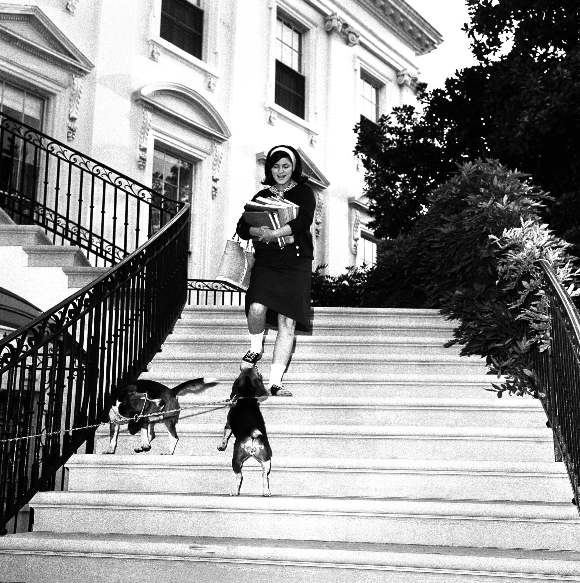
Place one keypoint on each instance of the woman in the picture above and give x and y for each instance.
(279, 290)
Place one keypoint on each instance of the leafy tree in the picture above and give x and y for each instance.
(520, 105)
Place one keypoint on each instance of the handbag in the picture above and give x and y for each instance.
(236, 264)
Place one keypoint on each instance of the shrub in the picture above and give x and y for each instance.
(343, 290)
(481, 234)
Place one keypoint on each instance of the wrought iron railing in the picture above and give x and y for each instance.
(76, 199)
(209, 292)
(58, 373)
(557, 373)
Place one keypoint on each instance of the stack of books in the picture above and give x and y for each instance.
(271, 212)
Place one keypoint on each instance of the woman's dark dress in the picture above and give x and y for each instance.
(281, 278)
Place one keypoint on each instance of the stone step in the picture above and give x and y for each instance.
(324, 477)
(332, 384)
(236, 344)
(46, 558)
(215, 364)
(55, 256)
(237, 326)
(79, 275)
(380, 411)
(508, 525)
(12, 235)
(335, 316)
(368, 442)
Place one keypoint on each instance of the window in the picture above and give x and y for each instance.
(19, 161)
(370, 98)
(290, 82)
(173, 180)
(367, 251)
(182, 25)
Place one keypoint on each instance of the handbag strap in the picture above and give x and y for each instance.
(238, 240)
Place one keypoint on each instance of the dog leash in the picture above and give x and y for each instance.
(223, 403)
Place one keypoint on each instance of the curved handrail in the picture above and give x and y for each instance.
(58, 373)
(557, 373)
(75, 198)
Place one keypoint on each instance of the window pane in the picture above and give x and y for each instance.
(289, 41)
(290, 89)
(182, 25)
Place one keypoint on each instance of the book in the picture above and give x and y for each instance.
(263, 219)
(282, 212)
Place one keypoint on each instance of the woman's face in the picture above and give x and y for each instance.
(282, 171)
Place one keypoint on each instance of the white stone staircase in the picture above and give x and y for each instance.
(391, 463)
(38, 271)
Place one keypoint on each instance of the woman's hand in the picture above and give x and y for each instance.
(267, 235)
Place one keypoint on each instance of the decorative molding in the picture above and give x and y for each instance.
(334, 23)
(71, 6)
(211, 81)
(272, 115)
(154, 52)
(74, 105)
(144, 138)
(405, 79)
(356, 228)
(218, 154)
(406, 23)
(31, 31)
(318, 215)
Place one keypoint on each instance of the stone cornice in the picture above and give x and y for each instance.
(406, 23)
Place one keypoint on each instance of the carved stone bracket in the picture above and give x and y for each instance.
(334, 23)
(211, 81)
(71, 6)
(73, 109)
(154, 52)
(318, 215)
(218, 154)
(272, 116)
(404, 78)
(356, 227)
(144, 138)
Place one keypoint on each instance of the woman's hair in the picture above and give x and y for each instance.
(276, 154)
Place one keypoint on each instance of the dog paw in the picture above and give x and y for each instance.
(234, 493)
(267, 494)
(108, 452)
(222, 446)
(142, 449)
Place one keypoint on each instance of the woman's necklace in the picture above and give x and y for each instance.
(279, 192)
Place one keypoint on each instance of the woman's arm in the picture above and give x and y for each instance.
(307, 206)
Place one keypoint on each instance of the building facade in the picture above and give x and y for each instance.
(187, 96)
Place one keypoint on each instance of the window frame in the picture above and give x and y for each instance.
(309, 28)
(167, 149)
(195, 5)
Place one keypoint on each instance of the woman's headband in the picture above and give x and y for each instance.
(286, 151)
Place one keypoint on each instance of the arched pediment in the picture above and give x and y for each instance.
(185, 106)
(27, 29)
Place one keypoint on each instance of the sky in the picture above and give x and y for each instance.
(447, 17)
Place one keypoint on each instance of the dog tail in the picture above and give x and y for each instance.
(193, 386)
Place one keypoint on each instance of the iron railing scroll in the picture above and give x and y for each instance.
(57, 374)
(557, 373)
(209, 292)
(74, 198)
